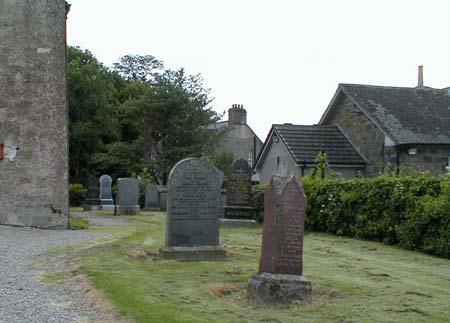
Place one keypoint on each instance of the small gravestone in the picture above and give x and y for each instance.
(92, 202)
(106, 199)
(280, 277)
(238, 211)
(193, 210)
(127, 196)
(151, 198)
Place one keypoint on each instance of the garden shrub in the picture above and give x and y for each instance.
(77, 193)
(412, 212)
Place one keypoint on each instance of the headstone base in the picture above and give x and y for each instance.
(127, 209)
(279, 288)
(92, 208)
(91, 204)
(111, 208)
(237, 223)
(193, 253)
(107, 202)
(239, 212)
(151, 209)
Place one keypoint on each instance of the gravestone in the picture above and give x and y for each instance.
(193, 211)
(280, 269)
(127, 196)
(151, 197)
(106, 199)
(92, 202)
(238, 211)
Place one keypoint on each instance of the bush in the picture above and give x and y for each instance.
(77, 193)
(412, 212)
(257, 201)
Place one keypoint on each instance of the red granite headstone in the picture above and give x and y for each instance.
(284, 214)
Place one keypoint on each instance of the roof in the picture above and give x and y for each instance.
(222, 125)
(304, 143)
(217, 125)
(418, 115)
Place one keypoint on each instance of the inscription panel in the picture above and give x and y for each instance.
(239, 184)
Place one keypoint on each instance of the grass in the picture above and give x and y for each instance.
(78, 223)
(353, 281)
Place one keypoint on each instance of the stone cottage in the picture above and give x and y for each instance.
(33, 114)
(395, 127)
(238, 138)
(292, 149)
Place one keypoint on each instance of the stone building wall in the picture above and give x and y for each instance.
(33, 114)
(378, 150)
(366, 137)
(240, 141)
(428, 158)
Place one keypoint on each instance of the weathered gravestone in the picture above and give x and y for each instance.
(193, 210)
(106, 199)
(238, 211)
(92, 202)
(151, 197)
(280, 270)
(127, 196)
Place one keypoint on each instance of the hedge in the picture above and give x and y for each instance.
(77, 193)
(411, 212)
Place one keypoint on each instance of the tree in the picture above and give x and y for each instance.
(93, 99)
(321, 168)
(138, 67)
(162, 119)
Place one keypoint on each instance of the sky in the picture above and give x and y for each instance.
(281, 59)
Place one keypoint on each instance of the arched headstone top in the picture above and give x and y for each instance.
(189, 165)
(105, 179)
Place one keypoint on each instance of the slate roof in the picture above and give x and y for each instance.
(418, 115)
(305, 142)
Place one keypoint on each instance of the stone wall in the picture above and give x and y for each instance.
(428, 158)
(370, 142)
(366, 137)
(33, 114)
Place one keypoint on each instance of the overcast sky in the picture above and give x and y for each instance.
(281, 59)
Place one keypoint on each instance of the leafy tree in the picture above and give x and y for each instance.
(224, 161)
(138, 67)
(321, 168)
(92, 92)
(162, 119)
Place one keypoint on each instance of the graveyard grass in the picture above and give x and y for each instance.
(353, 281)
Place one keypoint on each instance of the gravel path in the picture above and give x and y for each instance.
(25, 299)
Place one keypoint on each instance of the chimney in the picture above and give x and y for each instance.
(237, 115)
(420, 78)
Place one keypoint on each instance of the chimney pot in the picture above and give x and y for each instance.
(420, 77)
(237, 115)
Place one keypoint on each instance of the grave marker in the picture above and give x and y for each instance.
(92, 202)
(280, 270)
(127, 197)
(151, 197)
(106, 199)
(193, 210)
(238, 211)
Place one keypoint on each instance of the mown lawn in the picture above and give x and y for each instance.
(353, 281)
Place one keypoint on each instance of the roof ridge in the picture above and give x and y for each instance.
(392, 87)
